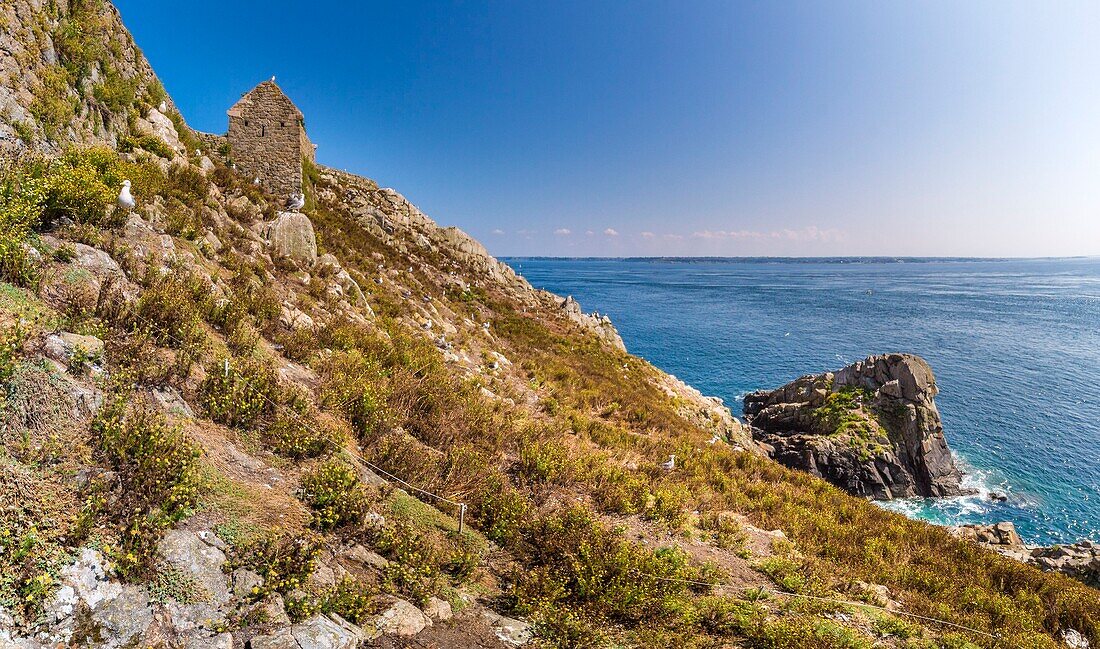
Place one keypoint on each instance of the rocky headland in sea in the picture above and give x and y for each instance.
(873, 429)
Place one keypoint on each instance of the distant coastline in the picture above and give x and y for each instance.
(796, 260)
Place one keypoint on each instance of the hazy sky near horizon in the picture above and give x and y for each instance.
(681, 128)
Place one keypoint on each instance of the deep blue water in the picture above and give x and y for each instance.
(1015, 346)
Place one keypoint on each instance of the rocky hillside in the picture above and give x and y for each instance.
(224, 425)
(871, 428)
(71, 73)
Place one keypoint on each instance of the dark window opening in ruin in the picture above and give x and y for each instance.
(282, 124)
(263, 130)
(246, 122)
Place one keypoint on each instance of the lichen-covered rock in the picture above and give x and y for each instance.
(291, 237)
(871, 428)
(510, 631)
(438, 610)
(401, 618)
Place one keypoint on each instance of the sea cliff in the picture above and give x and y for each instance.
(871, 428)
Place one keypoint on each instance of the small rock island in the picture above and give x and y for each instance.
(871, 428)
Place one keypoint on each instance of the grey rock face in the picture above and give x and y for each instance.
(291, 236)
(401, 618)
(318, 632)
(896, 446)
(509, 631)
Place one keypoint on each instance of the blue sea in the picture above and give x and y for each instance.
(1015, 346)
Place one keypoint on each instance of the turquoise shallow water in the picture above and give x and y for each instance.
(1015, 346)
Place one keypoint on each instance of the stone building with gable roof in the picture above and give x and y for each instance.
(267, 139)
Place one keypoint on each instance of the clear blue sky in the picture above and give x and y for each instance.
(682, 128)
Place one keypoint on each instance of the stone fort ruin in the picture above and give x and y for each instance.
(267, 139)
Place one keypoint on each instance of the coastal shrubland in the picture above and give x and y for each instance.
(226, 412)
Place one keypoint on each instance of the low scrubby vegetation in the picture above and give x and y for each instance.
(545, 478)
(158, 473)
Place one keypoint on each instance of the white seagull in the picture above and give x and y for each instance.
(125, 200)
(295, 202)
(163, 108)
(671, 464)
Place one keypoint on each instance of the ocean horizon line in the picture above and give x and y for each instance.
(871, 259)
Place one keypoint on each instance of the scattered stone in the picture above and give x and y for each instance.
(508, 630)
(401, 618)
(1074, 639)
(322, 576)
(245, 582)
(197, 640)
(438, 610)
(62, 347)
(171, 402)
(364, 557)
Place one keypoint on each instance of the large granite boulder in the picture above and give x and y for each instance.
(871, 428)
(291, 236)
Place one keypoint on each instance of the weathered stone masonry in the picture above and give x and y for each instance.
(267, 138)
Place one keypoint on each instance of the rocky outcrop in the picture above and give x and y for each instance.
(594, 322)
(871, 428)
(46, 104)
(1080, 560)
(291, 236)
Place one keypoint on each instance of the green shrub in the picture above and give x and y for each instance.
(357, 386)
(502, 512)
(299, 436)
(78, 188)
(11, 343)
(841, 413)
(114, 92)
(24, 131)
(413, 569)
(240, 395)
(284, 562)
(21, 202)
(158, 475)
(542, 462)
(335, 493)
(350, 599)
(570, 559)
(669, 505)
(150, 143)
(54, 106)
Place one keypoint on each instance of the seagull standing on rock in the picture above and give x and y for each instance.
(125, 200)
(295, 202)
(163, 108)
